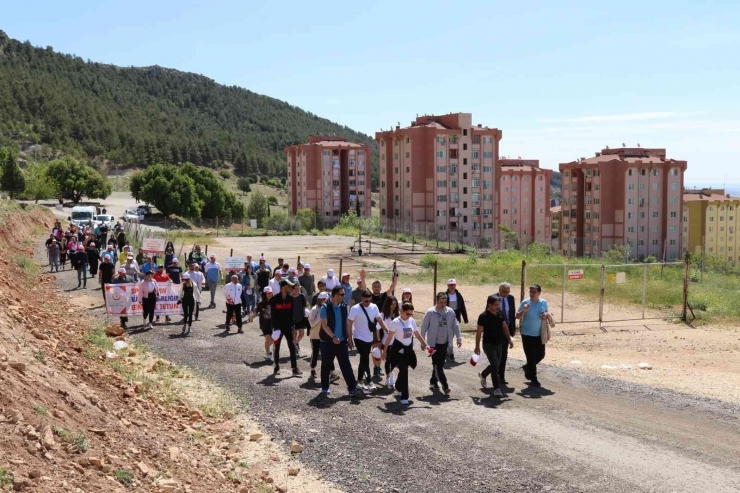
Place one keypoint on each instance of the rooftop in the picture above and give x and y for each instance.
(708, 194)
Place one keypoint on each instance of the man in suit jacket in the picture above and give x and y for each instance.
(508, 306)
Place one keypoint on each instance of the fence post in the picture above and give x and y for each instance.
(524, 278)
(644, 290)
(216, 226)
(684, 314)
(601, 295)
(231, 253)
(434, 289)
(562, 301)
(339, 274)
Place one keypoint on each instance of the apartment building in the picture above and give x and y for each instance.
(439, 176)
(624, 196)
(329, 175)
(524, 200)
(710, 223)
(556, 213)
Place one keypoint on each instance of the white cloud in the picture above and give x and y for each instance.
(628, 117)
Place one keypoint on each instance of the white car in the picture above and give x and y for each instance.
(133, 216)
(106, 219)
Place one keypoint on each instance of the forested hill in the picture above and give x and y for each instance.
(140, 116)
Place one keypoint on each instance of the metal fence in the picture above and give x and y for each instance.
(625, 291)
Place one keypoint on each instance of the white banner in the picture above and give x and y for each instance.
(234, 263)
(153, 245)
(123, 299)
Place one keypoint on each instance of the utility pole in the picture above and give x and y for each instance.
(359, 222)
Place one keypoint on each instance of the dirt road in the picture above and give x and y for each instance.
(579, 432)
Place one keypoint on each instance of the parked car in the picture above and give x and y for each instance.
(82, 215)
(133, 215)
(145, 209)
(106, 219)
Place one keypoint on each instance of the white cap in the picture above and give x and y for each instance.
(345, 275)
(306, 266)
(175, 260)
(323, 295)
(262, 258)
(407, 290)
(121, 270)
(267, 289)
(330, 273)
(451, 281)
(359, 279)
(186, 276)
(291, 271)
(212, 256)
(278, 272)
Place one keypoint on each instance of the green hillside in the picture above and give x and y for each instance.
(140, 116)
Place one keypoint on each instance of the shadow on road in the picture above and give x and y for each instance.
(398, 409)
(436, 399)
(535, 392)
(490, 401)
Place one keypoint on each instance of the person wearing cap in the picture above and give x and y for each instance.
(335, 342)
(407, 295)
(105, 274)
(161, 277)
(276, 280)
(401, 334)
(53, 251)
(132, 268)
(149, 264)
(438, 328)
(212, 271)
(141, 257)
(314, 333)
(357, 293)
(363, 323)
(127, 248)
(300, 320)
(174, 270)
(456, 302)
(79, 263)
(531, 314)
(282, 319)
(93, 259)
(291, 276)
(120, 278)
(196, 277)
(110, 252)
(263, 278)
(248, 280)
(263, 311)
(321, 289)
(494, 330)
(307, 281)
(330, 280)
(189, 296)
(198, 257)
(233, 293)
(347, 286)
(148, 294)
(279, 267)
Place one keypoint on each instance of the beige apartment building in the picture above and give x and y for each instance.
(710, 223)
(623, 196)
(330, 176)
(524, 200)
(439, 176)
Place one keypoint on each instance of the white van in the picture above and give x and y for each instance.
(82, 214)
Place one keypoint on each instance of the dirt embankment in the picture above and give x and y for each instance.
(78, 415)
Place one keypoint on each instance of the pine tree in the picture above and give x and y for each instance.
(12, 180)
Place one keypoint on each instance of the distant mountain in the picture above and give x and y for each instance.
(141, 116)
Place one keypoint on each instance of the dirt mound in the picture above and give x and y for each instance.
(72, 416)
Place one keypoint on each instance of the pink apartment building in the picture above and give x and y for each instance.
(440, 174)
(524, 200)
(623, 196)
(329, 175)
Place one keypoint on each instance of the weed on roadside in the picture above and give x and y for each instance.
(40, 410)
(6, 478)
(125, 477)
(40, 355)
(77, 442)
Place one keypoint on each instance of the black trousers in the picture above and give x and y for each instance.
(534, 350)
(402, 382)
(493, 353)
(340, 351)
(148, 304)
(363, 370)
(234, 310)
(502, 362)
(288, 335)
(438, 365)
(188, 306)
(315, 351)
(197, 310)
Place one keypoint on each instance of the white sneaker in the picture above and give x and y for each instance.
(150, 325)
(268, 357)
(405, 402)
(482, 380)
(390, 381)
(361, 385)
(498, 393)
(371, 387)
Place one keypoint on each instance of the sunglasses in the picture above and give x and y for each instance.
(341, 295)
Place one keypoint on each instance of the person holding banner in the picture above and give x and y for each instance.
(148, 290)
(122, 278)
(233, 292)
(160, 276)
(189, 296)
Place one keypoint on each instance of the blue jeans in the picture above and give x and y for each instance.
(82, 276)
(212, 285)
(249, 302)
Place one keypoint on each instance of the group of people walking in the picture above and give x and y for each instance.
(290, 304)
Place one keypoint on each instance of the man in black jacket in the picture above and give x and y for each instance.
(281, 308)
(508, 307)
(335, 341)
(457, 303)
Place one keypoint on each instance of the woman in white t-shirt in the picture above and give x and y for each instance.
(402, 331)
(389, 312)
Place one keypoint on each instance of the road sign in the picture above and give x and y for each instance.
(574, 275)
(234, 263)
(621, 277)
(153, 245)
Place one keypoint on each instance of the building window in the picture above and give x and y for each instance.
(465, 131)
(408, 155)
(630, 172)
(475, 154)
(674, 200)
(441, 183)
(674, 186)
(488, 140)
(656, 172)
(476, 182)
(440, 169)
(655, 185)
(465, 147)
(674, 171)
(441, 198)
(488, 154)
(440, 154)
(486, 183)
(674, 214)
(656, 214)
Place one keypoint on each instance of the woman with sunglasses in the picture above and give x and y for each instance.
(402, 331)
(389, 313)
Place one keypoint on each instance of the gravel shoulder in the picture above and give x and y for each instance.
(580, 432)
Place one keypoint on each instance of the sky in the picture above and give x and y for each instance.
(561, 79)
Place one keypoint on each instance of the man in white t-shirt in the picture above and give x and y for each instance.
(363, 321)
(330, 280)
(275, 281)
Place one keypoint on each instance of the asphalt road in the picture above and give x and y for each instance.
(576, 433)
